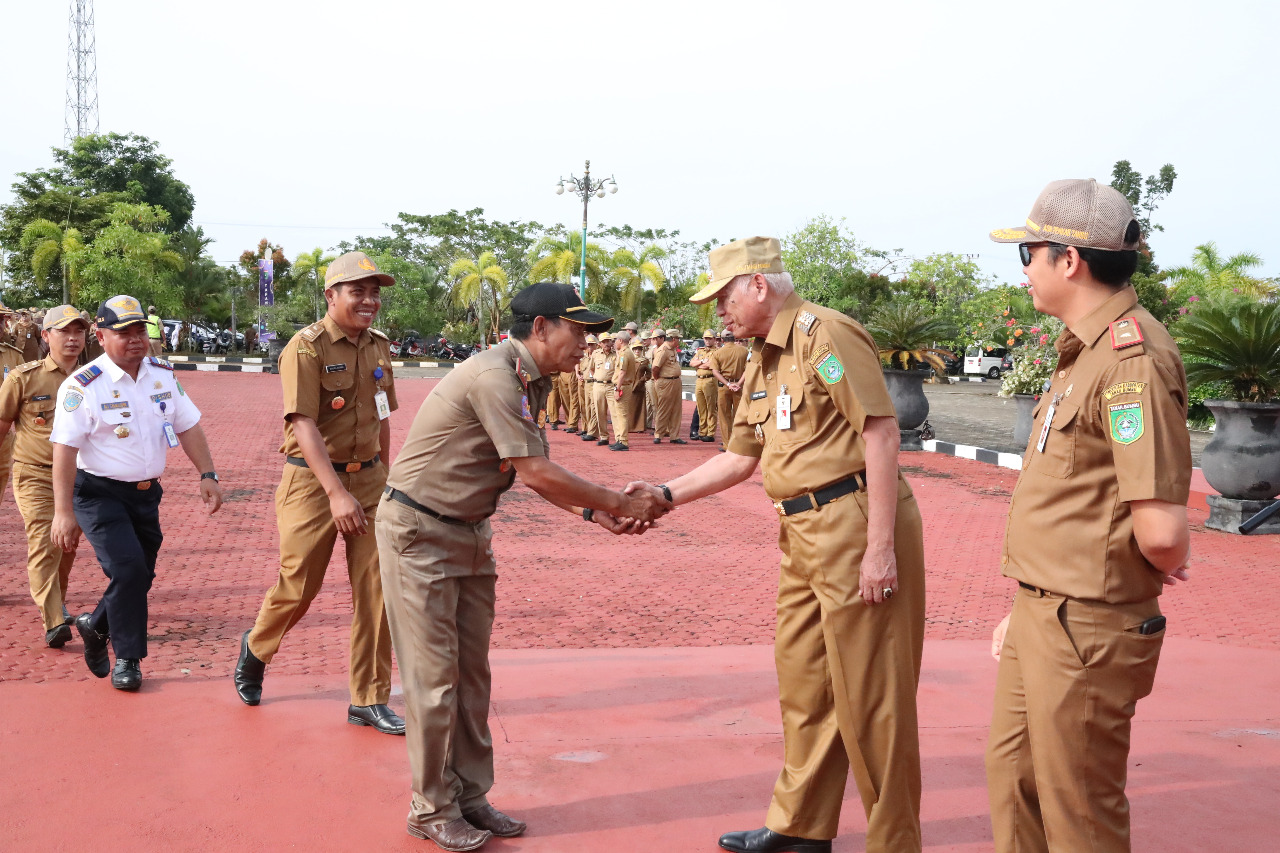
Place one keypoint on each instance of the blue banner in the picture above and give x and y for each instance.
(266, 277)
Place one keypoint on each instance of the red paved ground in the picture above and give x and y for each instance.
(705, 577)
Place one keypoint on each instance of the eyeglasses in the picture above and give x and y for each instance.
(1024, 251)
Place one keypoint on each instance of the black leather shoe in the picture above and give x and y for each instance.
(603, 441)
(248, 674)
(56, 637)
(555, 426)
(619, 446)
(95, 647)
(503, 826)
(571, 432)
(765, 840)
(380, 717)
(657, 441)
(678, 441)
(127, 674)
(456, 835)
(586, 437)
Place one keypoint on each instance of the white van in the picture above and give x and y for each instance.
(981, 362)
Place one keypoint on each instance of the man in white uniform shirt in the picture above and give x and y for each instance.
(115, 421)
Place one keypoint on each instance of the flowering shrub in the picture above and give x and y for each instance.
(1034, 358)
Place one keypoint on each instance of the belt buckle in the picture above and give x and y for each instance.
(778, 506)
(143, 485)
(353, 467)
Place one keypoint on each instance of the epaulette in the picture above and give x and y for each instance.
(11, 346)
(1127, 335)
(310, 333)
(379, 334)
(806, 322)
(159, 362)
(28, 365)
(87, 375)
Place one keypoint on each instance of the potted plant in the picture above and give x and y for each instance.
(1238, 343)
(1033, 361)
(905, 333)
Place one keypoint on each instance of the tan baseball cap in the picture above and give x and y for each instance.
(1076, 212)
(709, 333)
(741, 257)
(673, 333)
(631, 327)
(605, 336)
(592, 339)
(354, 266)
(61, 316)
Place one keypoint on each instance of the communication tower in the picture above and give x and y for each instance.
(82, 73)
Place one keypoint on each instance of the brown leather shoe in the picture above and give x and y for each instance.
(503, 826)
(457, 834)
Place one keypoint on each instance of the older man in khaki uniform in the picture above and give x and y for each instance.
(638, 401)
(584, 368)
(622, 397)
(666, 369)
(653, 340)
(482, 427)
(704, 387)
(602, 361)
(27, 402)
(818, 419)
(339, 394)
(1097, 527)
(728, 363)
(571, 399)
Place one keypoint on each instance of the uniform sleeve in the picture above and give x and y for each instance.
(845, 362)
(504, 412)
(73, 419)
(185, 413)
(10, 398)
(390, 387)
(1144, 414)
(300, 378)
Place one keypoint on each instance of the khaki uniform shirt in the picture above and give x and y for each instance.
(730, 360)
(642, 365)
(703, 354)
(320, 365)
(624, 369)
(584, 366)
(26, 337)
(830, 367)
(1118, 434)
(602, 366)
(29, 393)
(489, 409)
(10, 357)
(666, 363)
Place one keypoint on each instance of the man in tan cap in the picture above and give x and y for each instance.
(26, 336)
(817, 417)
(339, 394)
(638, 402)
(666, 370)
(652, 341)
(27, 402)
(705, 387)
(587, 431)
(602, 362)
(728, 363)
(1097, 528)
(621, 398)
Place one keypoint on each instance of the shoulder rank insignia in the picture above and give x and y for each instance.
(89, 374)
(310, 333)
(159, 362)
(378, 334)
(29, 365)
(805, 321)
(524, 378)
(1125, 333)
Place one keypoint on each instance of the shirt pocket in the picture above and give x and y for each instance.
(334, 385)
(757, 413)
(1058, 457)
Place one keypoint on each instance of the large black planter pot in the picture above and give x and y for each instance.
(1026, 404)
(906, 389)
(275, 346)
(1243, 459)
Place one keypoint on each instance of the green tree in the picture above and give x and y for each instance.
(1211, 273)
(481, 283)
(560, 259)
(1144, 194)
(131, 255)
(830, 266)
(50, 246)
(630, 271)
(308, 273)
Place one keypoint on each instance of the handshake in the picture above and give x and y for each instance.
(637, 507)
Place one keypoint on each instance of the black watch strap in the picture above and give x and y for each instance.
(666, 492)
(588, 514)
(210, 475)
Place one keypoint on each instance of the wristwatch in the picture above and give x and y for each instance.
(210, 475)
(588, 514)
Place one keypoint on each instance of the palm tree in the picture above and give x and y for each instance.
(906, 333)
(630, 272)
(50, 245)
(1211, 273)
(309, 269)
(560, 260)
(483, 283)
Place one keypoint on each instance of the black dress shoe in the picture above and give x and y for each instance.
(503, 826)
(678, 441)
(619, 446)
(555, 426)
(456, 835)
(380, 717)
(248, 674)
(657, 441)
(56, 637)
(765, 840)
(127, 674)
(603, 441)
(571, 432)
(95, 647)
(586, 437)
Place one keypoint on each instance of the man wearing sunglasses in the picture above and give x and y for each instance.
(1097, 527)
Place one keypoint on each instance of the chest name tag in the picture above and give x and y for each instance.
(122, 404)
(1048, 422)
(156, 398)
(384, 406)
(759, 395)
(784, 411)
(334, 368)
(170, 436)
(40, 397)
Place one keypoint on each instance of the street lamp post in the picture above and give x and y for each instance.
(585, 188)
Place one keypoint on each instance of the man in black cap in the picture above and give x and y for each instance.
(486, 424)
(114, 421)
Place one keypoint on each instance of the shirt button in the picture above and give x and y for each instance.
(768, 376)
(1061, 373)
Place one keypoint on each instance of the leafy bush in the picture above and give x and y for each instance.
(1236, 343)
(906, 334)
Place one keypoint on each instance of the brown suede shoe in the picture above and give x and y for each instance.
(487, 817)
(455, 835)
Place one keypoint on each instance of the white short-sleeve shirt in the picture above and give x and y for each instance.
(117, 423)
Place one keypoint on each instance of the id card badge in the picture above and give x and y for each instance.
(1048, 422)
(784, 409)
(384, 407)
(169, 435)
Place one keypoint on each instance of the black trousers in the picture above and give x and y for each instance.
(122, 523)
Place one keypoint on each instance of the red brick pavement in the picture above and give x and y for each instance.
(705, 577)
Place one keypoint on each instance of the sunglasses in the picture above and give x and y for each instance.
(1024, 251)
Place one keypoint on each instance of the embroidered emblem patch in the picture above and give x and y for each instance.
(830, 369)
(181, 390)
(524, 408)
(72, 401)
(819, 354)
(1124, 388)
(1127, 423)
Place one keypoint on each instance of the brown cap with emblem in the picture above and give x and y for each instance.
(354, 266)
(554, 299)
(60, 316)
(120, 311)
(1076, 212)
(741, 257)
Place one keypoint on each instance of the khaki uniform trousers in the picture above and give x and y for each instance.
(590, 416)
(308, 534)
(1070, 678)
(439, 581)
(667, 422)
(155, 347)
(726, 406)
(620, 414)
(553, 401)
(6, 456)
(704, 394)
(600, 394)
(847, 677)
(651, 403)
(637, 408)
(48, 566)
(569, 397)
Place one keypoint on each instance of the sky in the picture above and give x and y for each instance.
(923, 125)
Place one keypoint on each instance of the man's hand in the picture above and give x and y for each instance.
(619, 526)
(618, 394)
(997, 637)
(736, 386)
(348, 514)
(211, 494)
(646, 502)
(1183, 574)
(65, 532)
(879, 571)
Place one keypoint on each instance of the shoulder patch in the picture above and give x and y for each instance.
(1125, 333)
(89, 374)
(1127, 422)
(30, 365)
(310, 333)
(1124, 388)
(305, 349)
(830, 369)
(159, 362)
(819, 354)
(806, 322)
(376, 333)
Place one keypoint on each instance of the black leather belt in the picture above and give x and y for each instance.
(140, 485)
(825, 495)
(340, 467)
(1037, 590)
(401, 498)
(705, 375)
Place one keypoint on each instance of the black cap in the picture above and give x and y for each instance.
(553, 299)
(119, 312)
